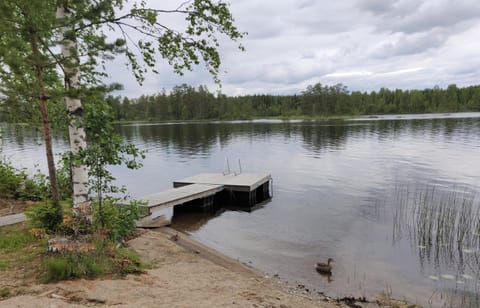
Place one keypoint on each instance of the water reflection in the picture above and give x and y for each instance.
(191, 219)
(443, 227)
(392, 201)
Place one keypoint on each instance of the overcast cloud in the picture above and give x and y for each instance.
(364, 44)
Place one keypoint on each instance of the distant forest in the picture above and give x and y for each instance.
(185, 102)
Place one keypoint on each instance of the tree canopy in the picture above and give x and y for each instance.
(186, 102)
(90, 33)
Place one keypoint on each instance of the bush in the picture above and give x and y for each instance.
(17, 184)
(34, 188)
(74, 265)
(4, 292)
(10, 180)
(57, 269)
(105, 260)
(45, 216)
(118, 220)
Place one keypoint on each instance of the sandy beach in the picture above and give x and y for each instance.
(184, 274)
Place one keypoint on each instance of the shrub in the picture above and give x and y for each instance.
(75, 265)
(57, 269)
(4, 292)
(105, 260)
(45, 215)
(10, 180)
(17, 184)
(118, 220)
(34, 188)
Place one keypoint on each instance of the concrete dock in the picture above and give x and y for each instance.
(177, 196)
(207, 189)
(245, 182)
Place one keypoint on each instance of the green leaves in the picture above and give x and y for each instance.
(105, 147)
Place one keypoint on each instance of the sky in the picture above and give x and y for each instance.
(363, 44)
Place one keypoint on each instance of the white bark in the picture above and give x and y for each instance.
(76, 127)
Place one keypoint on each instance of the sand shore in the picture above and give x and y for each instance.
(184, 274)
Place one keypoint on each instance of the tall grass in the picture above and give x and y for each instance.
(444, 224)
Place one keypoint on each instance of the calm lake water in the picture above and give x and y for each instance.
(393, 200)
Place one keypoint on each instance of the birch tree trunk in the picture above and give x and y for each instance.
(76, 129)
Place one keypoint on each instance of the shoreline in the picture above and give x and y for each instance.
(184, 273)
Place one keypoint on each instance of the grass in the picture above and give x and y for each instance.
(13, 239)
(104, 261)
(24, 255)
(4, 292)
(443, 223)
(18, 247)
(3, 264)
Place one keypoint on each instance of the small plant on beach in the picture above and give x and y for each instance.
(4, 292)
(105, 259)
(45, 215)
(116, 220)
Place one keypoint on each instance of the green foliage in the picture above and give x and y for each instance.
(26, 27)
(104, 260)
(185, 102)
(30, 31)
(45, 216)
(11, 241)
(4, 292)
(10, 181)
(3, 264)
(73, 265)
(17, 184)
(106, 149)
(19, 247)
(119, 220)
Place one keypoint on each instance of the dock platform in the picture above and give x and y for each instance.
(207, 191)
(245, 182)
(178, 196)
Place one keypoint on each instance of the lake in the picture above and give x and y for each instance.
(392, 199)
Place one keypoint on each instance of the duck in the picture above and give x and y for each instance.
(324, 268)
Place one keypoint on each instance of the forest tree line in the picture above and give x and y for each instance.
(186, 102)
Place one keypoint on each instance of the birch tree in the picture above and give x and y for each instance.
(76, 129)
(83, 35)
(91, 32)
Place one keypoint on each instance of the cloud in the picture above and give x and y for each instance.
(401, 44)
(375, 6)
(412, 16)
(348, 74)
(364, 44)
(438, 14)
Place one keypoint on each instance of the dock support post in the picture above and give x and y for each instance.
(252, 198)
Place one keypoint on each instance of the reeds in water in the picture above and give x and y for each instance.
(443, 224)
